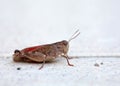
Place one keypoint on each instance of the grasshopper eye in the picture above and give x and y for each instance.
(64, 42)
(17, 51)
(58, 47)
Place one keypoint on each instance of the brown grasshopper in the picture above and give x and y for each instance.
(44, 53)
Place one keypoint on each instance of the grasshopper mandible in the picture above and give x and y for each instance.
(44, 53)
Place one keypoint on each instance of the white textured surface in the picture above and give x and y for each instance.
(58, 73)
(25, 23)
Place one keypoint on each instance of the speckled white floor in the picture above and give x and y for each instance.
(58, 73)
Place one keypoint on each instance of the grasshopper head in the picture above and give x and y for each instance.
(17, 56)
(63, 46)
(64, 42)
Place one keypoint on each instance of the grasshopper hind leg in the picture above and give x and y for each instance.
(42, 65)
(37, 57)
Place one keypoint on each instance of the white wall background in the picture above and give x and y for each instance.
(25, 23)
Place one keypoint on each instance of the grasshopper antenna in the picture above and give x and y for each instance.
(76, 33)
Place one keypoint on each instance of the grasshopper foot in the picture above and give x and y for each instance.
(70, 64)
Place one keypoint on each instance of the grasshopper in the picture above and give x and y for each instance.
(44, 53)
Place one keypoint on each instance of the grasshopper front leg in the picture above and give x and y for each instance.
(67, 58)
